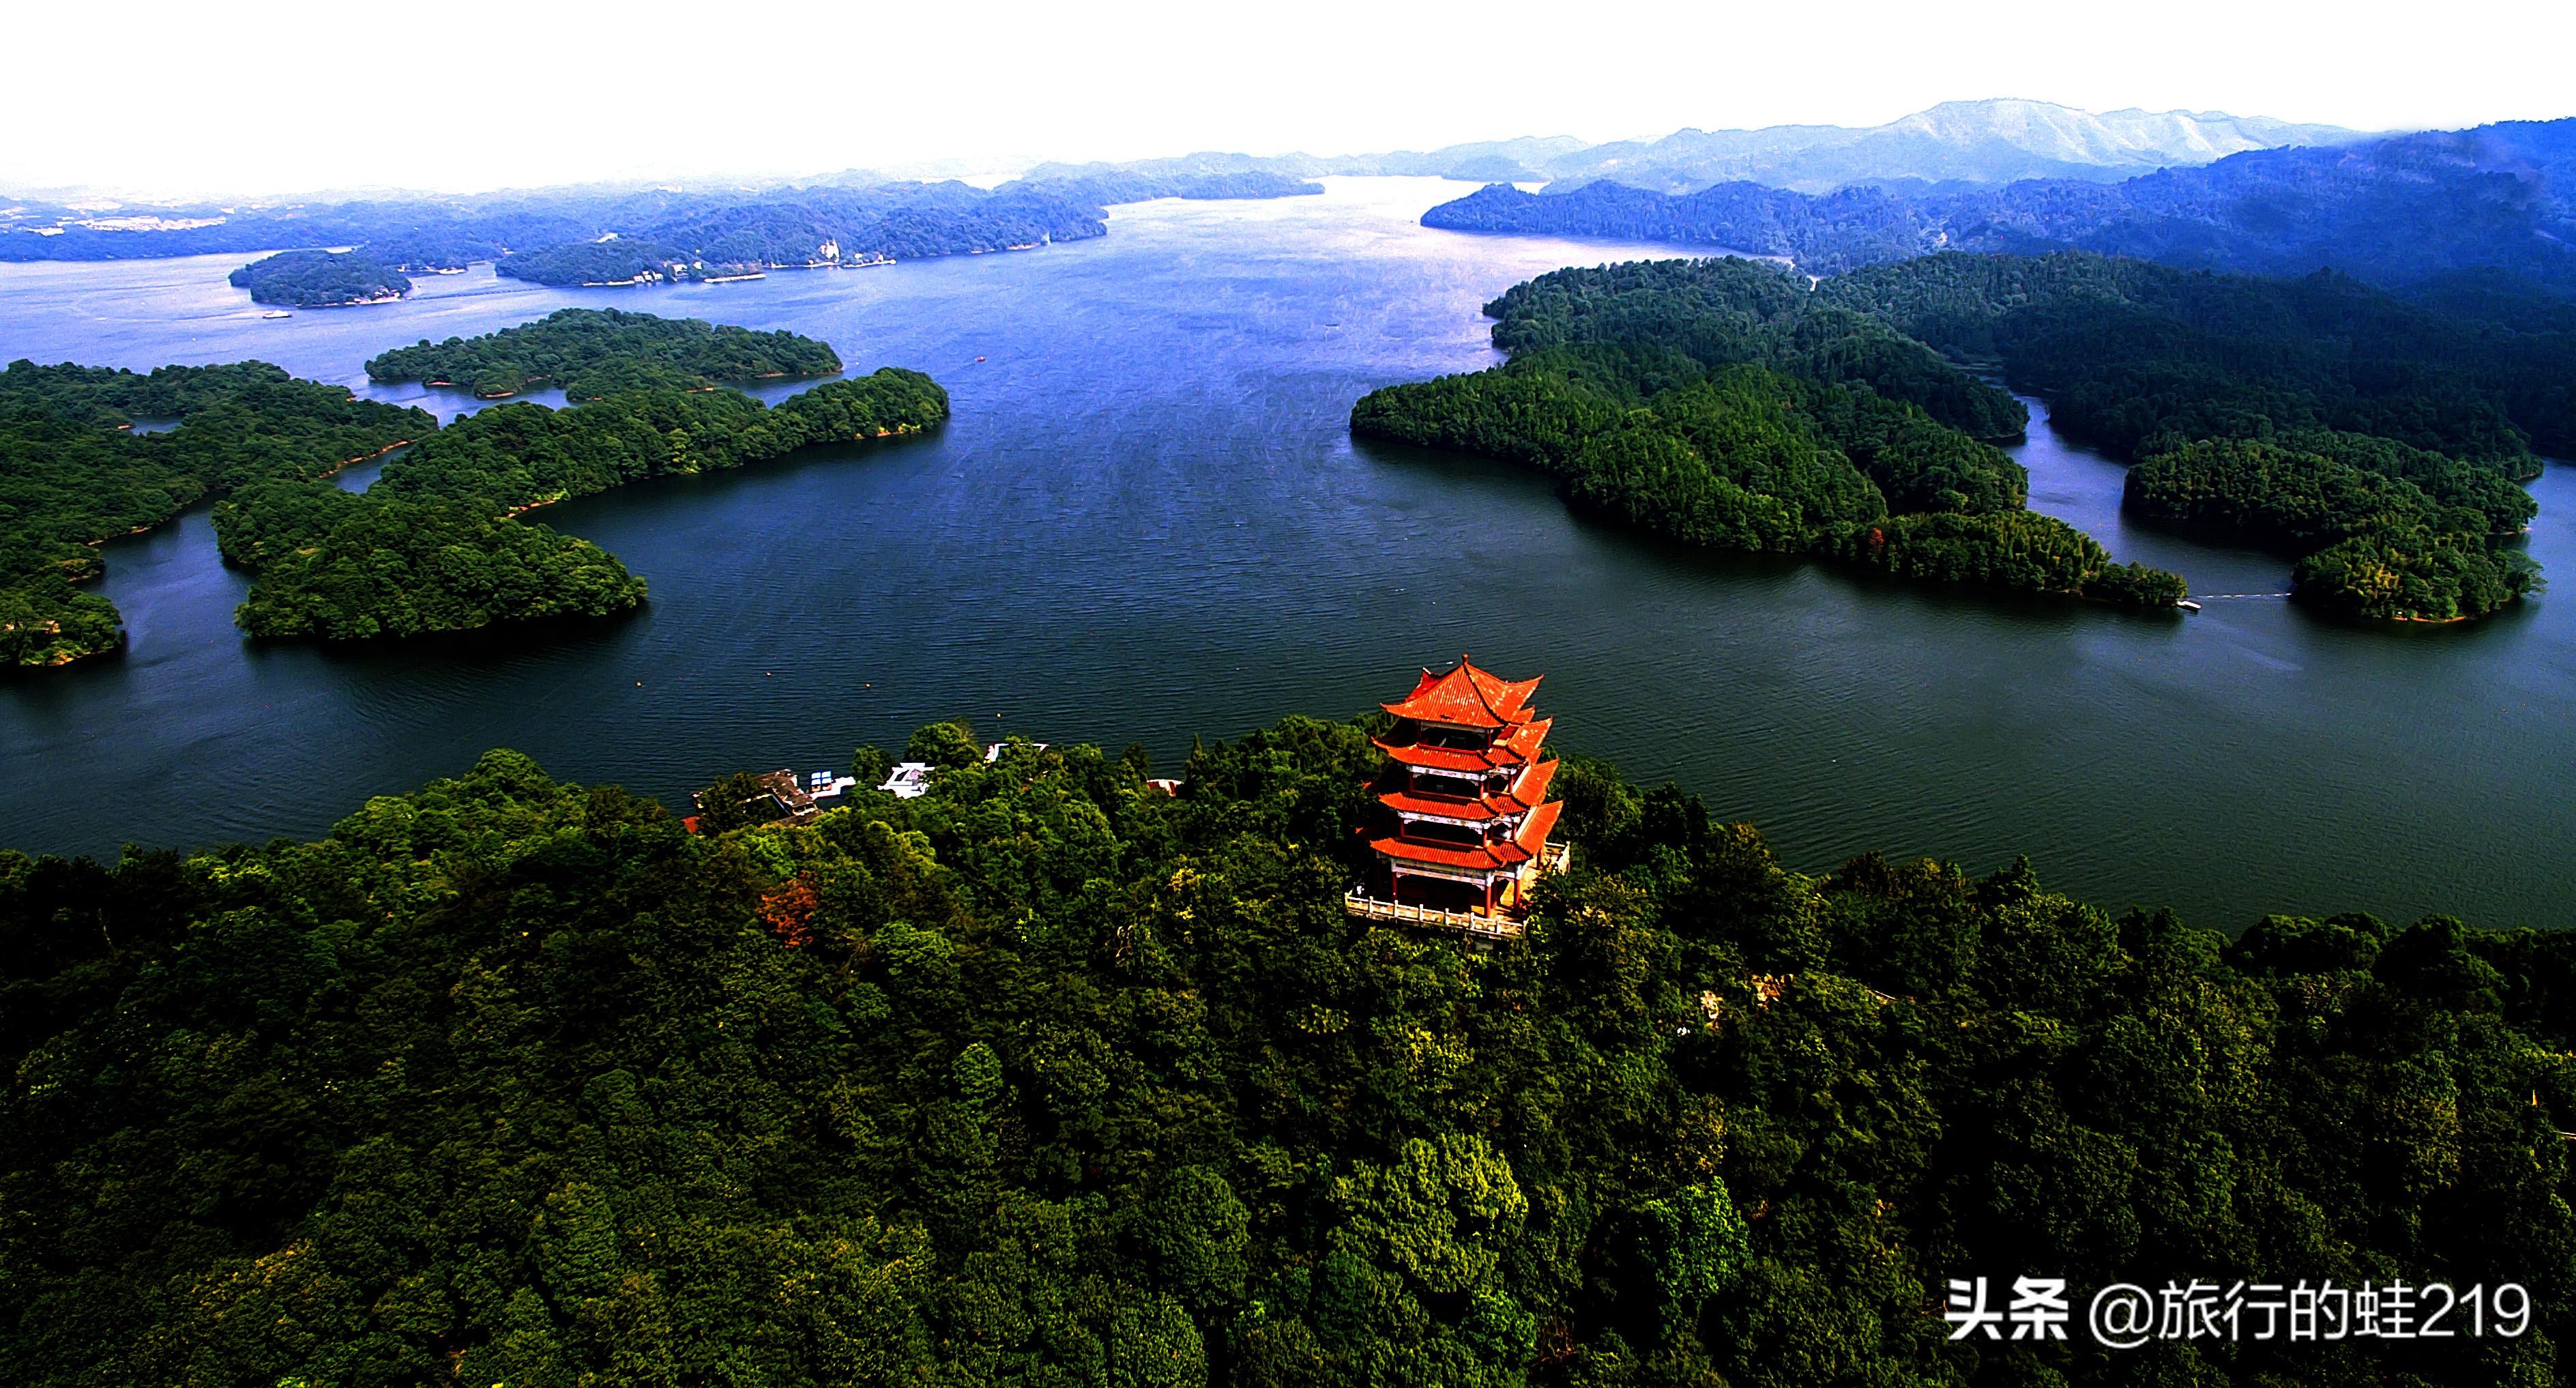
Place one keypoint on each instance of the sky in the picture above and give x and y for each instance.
(217, 97)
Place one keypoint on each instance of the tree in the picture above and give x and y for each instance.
(946, 746)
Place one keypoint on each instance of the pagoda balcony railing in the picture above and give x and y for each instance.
(1366, 907)
(1556, 857)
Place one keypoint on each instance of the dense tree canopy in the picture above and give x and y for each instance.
(2298, 414)
(434, 545)
(1717, 402)
(2128, 352)
(73, 472)
(1731, 310)
(1050, 1077)
(590, 352)
(437, 544)
(320, 279)
(359, 568)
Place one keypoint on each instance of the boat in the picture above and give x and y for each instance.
(2187, 605)
(278, 313)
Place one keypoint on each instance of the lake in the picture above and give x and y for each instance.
(1148, 522)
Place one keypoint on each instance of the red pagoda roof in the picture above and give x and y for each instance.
(1511, 749)
(1467, 697)
(1523, 797)
(1489, 857)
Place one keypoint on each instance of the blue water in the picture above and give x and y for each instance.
(1148, 522)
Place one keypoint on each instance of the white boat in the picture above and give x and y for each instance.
(2188, 605)
(278, 313)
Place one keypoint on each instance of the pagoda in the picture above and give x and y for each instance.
(1464, 816)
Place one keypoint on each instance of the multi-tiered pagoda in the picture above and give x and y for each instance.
(1465, 816)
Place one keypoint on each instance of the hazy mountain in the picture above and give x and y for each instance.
(1966, 141)
(1492, 161)
(2407, 210)
(1960, 142)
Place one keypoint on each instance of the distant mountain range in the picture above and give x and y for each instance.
(618, 236)
(1974, 142)
(1956, 141)
(2405, 210)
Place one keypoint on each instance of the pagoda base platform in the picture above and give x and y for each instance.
(1472, 924)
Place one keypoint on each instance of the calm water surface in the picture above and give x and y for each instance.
(1148, 521)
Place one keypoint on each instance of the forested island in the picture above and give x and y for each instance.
(1050, 1076)
(438, 542)
(320, 279)
(589, 353)
(1723, 404)
(2377, 441)
(73, 473)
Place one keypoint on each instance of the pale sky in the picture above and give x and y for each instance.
(215, 96)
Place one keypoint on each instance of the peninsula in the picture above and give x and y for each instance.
(1723, 404)
(439, 543)
(74, 473)
(2377, 441)
(1728, 403)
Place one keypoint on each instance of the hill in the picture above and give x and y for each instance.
(1049, 1077)
(2398, 211)
(1985, 142)
(1723, 404)
(1966, 141)
(2376, 441)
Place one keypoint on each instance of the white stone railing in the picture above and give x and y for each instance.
(1466, 922)
(1556, 857)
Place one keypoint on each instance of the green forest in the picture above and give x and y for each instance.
(1722, 404)
(2370, 542)
(589, 353)
(73, 472)
(320, 279)
(1049, 1077)
(2380, 442)
(436, 544)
